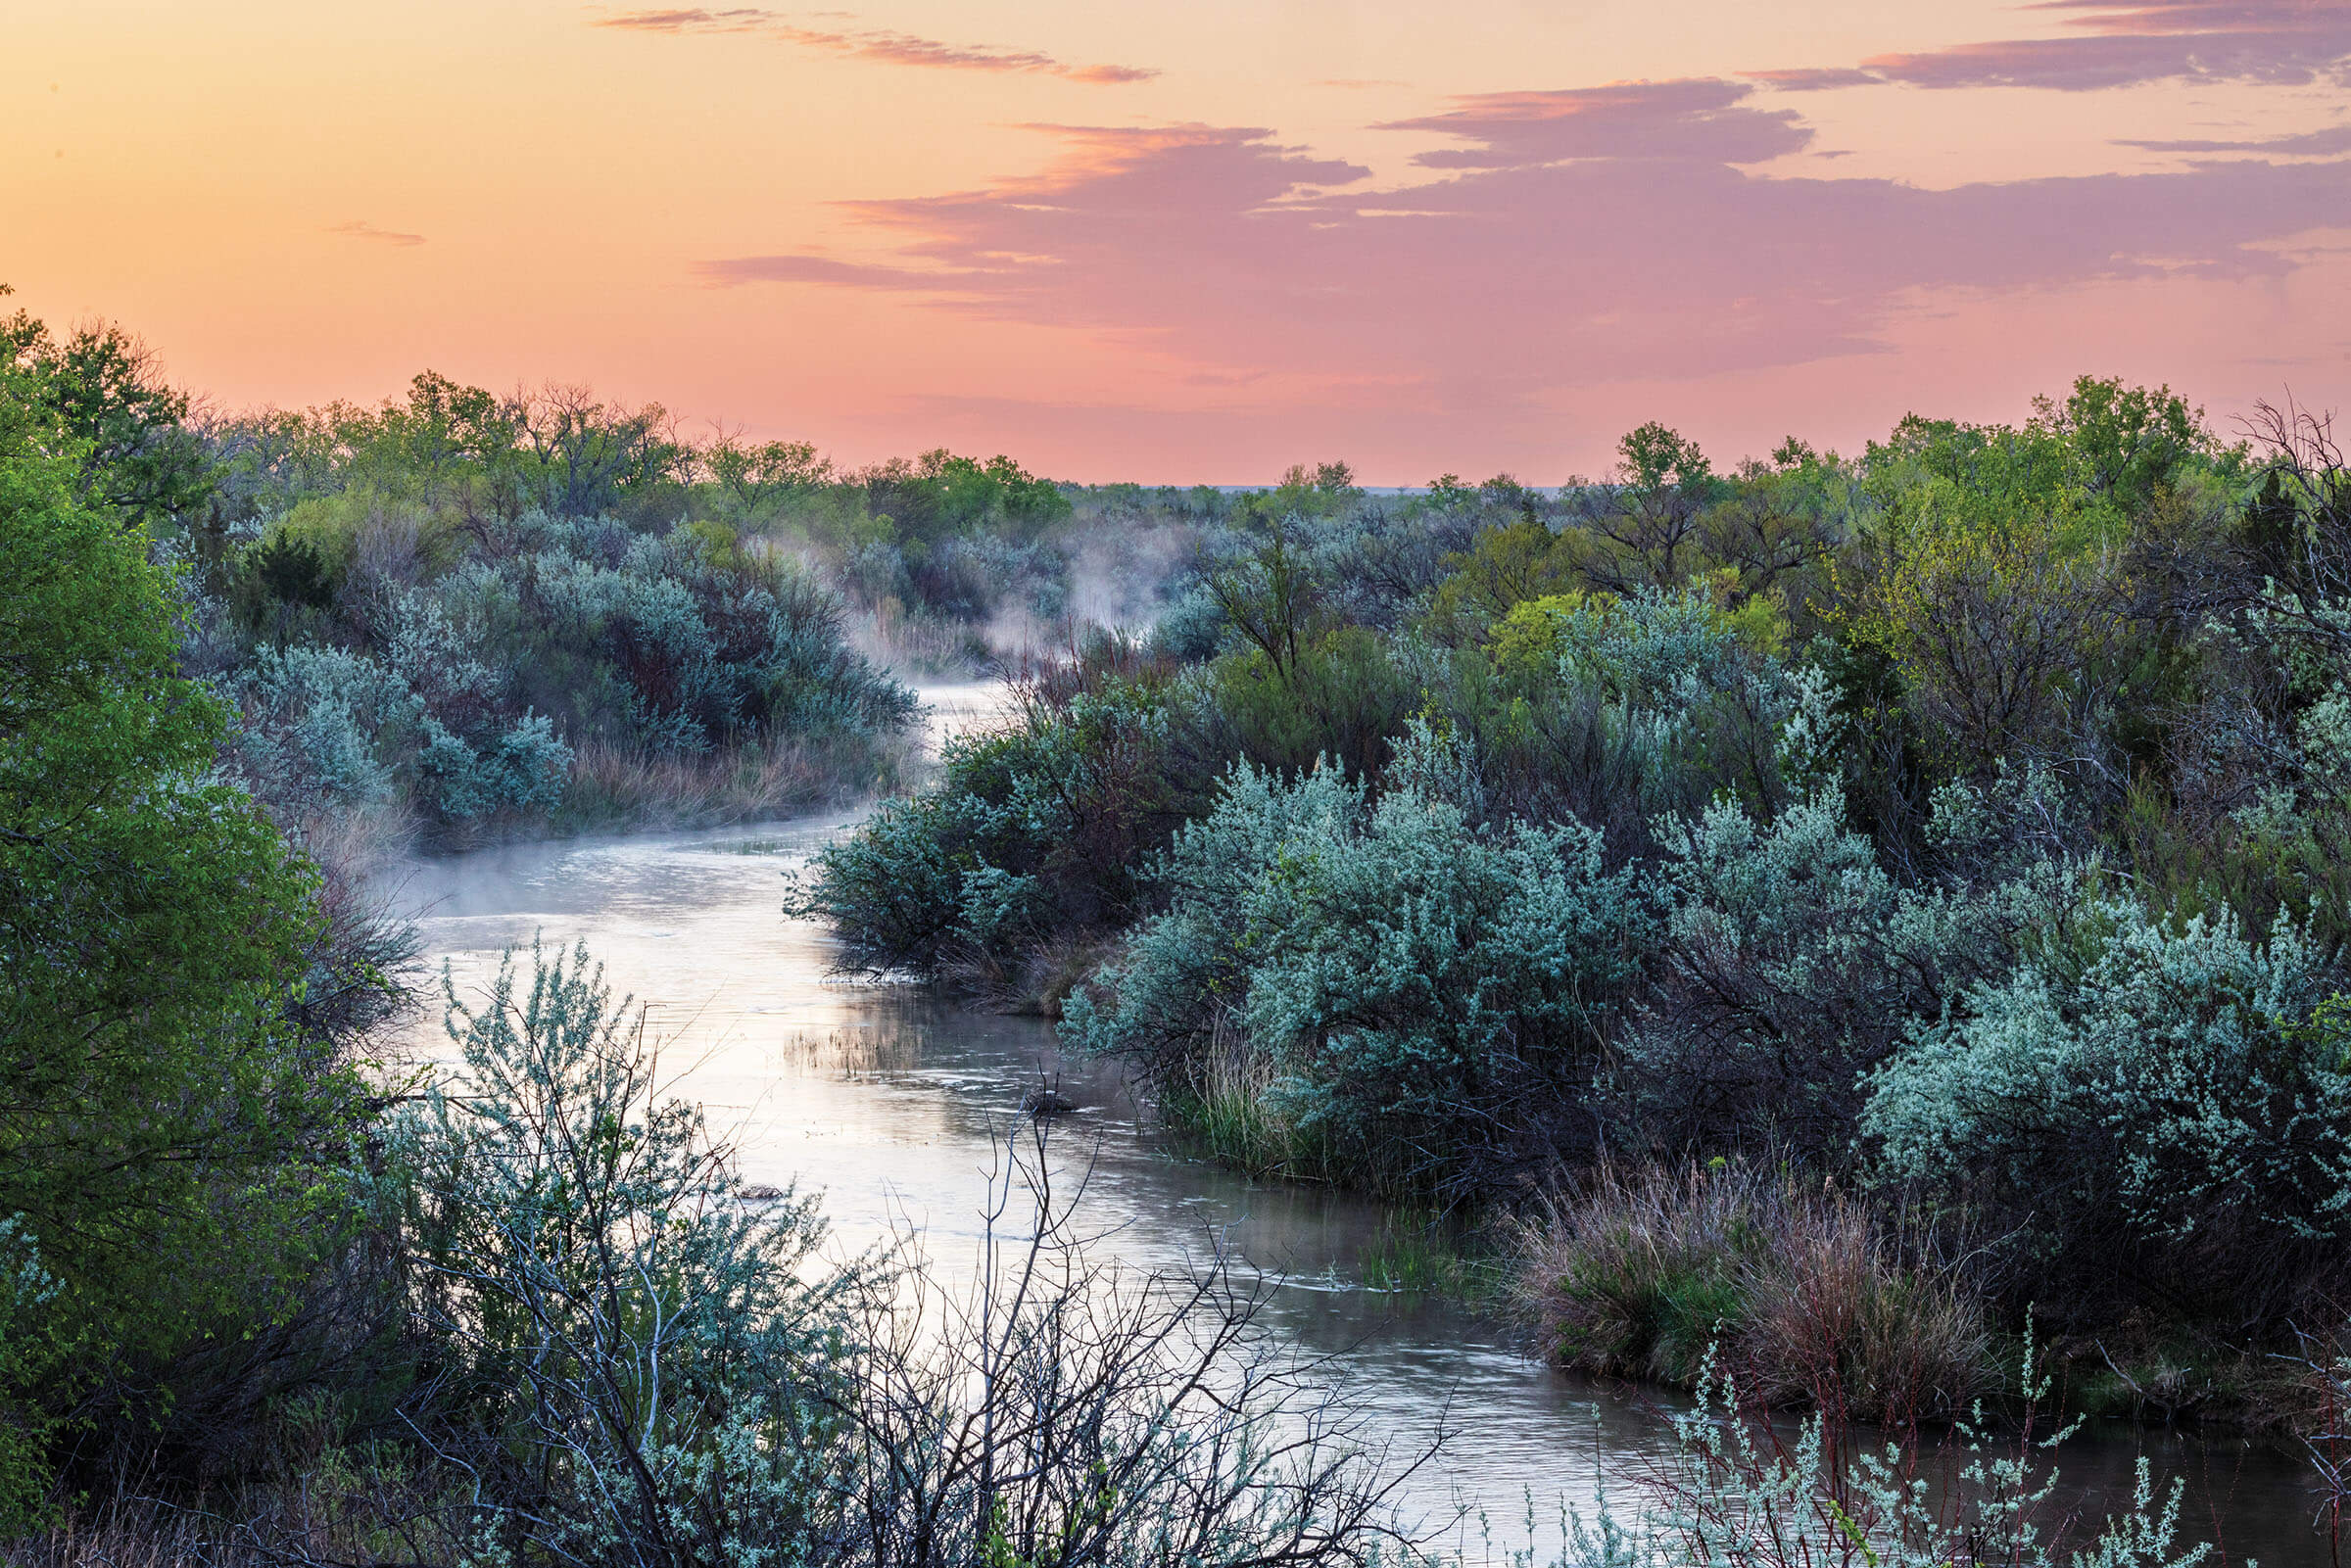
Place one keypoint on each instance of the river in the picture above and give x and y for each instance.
(888, 1101)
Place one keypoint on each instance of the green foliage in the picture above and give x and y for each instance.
(1406, 972)
(1270, 597)
(1038, 829)
(1988, 584)
(1661, 701)
(763, 478)
(170, 1131)
(634, 1362)
(1344, 696)
(2131, 442)
(1506, 567)
(102, 391)
(940, 495)
(2181, 1091)
(35, 1345)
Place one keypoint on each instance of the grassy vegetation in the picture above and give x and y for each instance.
(1424, 1254)
(1796, 1287)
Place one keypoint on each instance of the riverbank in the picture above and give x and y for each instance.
(1857, 1302)
(891, 1099)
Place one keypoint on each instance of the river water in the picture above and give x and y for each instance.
(890, 1102)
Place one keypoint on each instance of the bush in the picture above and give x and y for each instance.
(1616, 710)
(2172, 1097)
(1740, 1490)
(1420, 984)
(1795, 964)
(630, 1360)
(1029, 835)
(325, 726)
(469, 694)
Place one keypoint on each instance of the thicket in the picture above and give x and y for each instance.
(943, 560)
(462, 612)
(1961, 823)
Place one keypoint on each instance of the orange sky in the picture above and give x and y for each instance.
(1199, 242)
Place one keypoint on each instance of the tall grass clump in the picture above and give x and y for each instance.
(1790, 1281)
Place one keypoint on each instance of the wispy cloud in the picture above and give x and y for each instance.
(2330, 143)
(1814, 79)
(359, 229)
(1701, 119)
(2123, 42)
(733, 270)
(880, 44)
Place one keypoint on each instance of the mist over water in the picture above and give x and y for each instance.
(891, 1101)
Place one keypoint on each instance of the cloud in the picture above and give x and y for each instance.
(2332, 142)
(739, 269)
(1699, 119)
(688, 20)
(877, 44)
(1567, 256)
(2122, 43)
(359, 230)
(1814, 79)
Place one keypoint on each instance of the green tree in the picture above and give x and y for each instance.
(2130, 442)
(136, 452)
(163, 1138)
(1643, 522)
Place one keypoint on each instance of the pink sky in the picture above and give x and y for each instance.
(1201, 241)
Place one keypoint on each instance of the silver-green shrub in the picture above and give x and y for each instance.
(1736, 1495)
(325, 726)
(1408, 974)
(637, 1359)
(2137, 1078)
(1795, 962)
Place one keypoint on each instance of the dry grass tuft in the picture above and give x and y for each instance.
(1808, 1296)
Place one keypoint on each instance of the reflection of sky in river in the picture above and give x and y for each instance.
(889, 1102)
